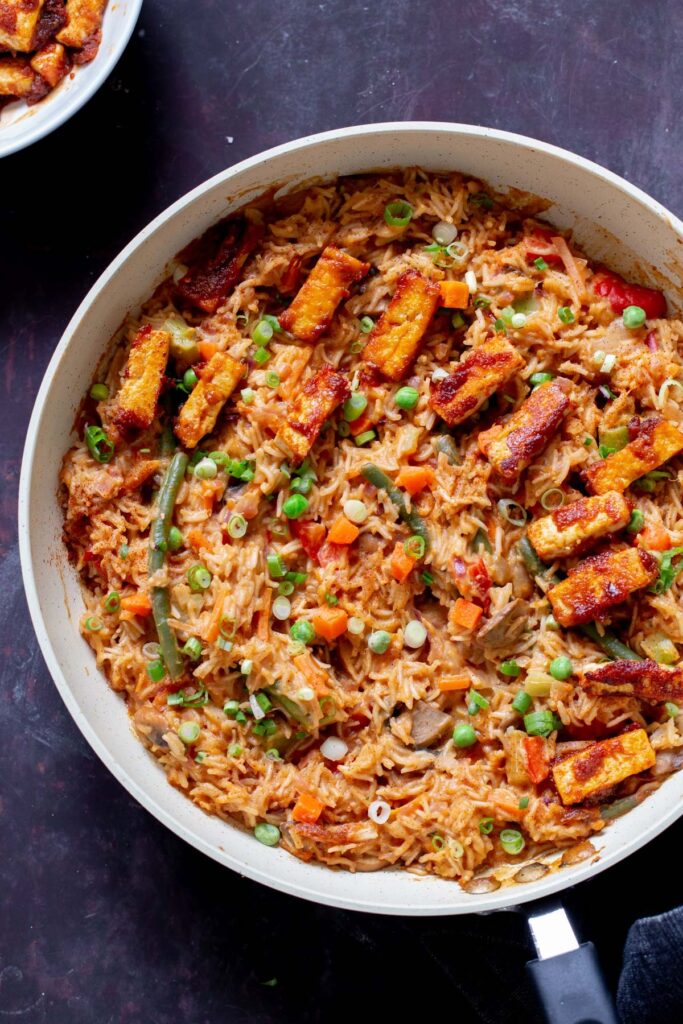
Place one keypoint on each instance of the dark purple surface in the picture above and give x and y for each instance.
(106, 917)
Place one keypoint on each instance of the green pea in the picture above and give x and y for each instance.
(634, 316)
(295, 506)
(406, 398)
(464, 735)
(561, 668)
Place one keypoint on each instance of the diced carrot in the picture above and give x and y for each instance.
(450, 683)
(214, 626)
(466, 613)
(314, 674)
(537, 763)
(329, 623)
(401, 563)
(415, 478)
(654, 537)
(198, 540)
(307, 809)
(263, 628)
(207, 349)
(454, 294)
(364, 422)
(342, 531)
(138, 604)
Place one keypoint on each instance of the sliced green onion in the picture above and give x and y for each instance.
(354, 406)
(282, 608)
(518, 321)
(509, 668)
(261, 356)
(457, 321)
(175, 539)
(523, 803)
(415, 547)
(512, 841)
(356, 511)
(356, 626)
(366, 324)
(481, 302)
(93, 624)
(512, 511)
(331, 599)
(660, 648)
(112, 601)
(407, 397)
(234, 750)
(99, 445)
(206, 469)
(267, 834)
(100, 392)
(444, 232)
(199, 578)
(343, 428)
(398, 213)
(522, 702)
(636, 522)
(499, 326)
(272, 379)
(246, 666)
(356, 346)
(540, 378)
(540, 263)
(124, 551)
(247, 395)
(415, 634)
(285, 588)
(672, 710)
(189, 732)
(231, 708)
(541, 723)
(276, 567)
(198, 699)
(566, 315)
(669, 383)
(634, 316)
(262, 333)
(379, 641)
(481, 199)
(302, 631)
(156, 670)
(367, 435)
(486, 826)
(237, 526)
(464, 735)
(475, 702)
(193, 648)
(273, 321)
(615, 438)
(552, 499)
(438, 842)
(427, 578)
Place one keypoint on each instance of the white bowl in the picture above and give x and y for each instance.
(21, 125)
(614, 221)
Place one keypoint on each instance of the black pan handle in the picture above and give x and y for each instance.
(571, 988)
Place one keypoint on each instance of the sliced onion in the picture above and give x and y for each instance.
(355, 625)
(151, 650)
(670, 382)
(306, 693)
(531, 873)
(334, 748)
(259, 713)
(552, 498)
(444, 233)
(580, 851)
(282, 608)
(456, 848)
(479, 886)
(471, 281)
(512, 511)
(609, 362)
(379, 811)
(439, 374)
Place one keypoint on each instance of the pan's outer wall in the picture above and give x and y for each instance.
(612, 220)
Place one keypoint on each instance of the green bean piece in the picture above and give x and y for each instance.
(618, 807)
(381, 481)
(444, 443)
(534, 565)
(167, 442)
(288, 705)
(161, 599)
(612, 647)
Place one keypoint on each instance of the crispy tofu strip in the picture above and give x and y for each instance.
(573, 528)
(599, 583)
(602, 765)
(218, 260)
(18, 21)
(319, 397)
(480, 374)
(82, 29)
(643, 679)
(656, 442)
(51, 63)
(514, 446)
(311, 311)
(198, 416)
(143, 376)
(395, 339)
(17, 77)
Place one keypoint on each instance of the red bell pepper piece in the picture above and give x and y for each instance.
(537, 763)
(621, 294)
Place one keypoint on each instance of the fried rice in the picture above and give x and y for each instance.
(403, 693)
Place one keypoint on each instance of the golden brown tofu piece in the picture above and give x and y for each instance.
(312, 309)
(198, 416)
(480, 374)
(656, 442)
(395, 339)
(51, 63)
(143, 376)
(602, 765)
(216, 262)
(18, 22)
(17, 77)
(514, 446)
(599, 583)
(646, 680)
(319, 397)
(573, 528)
(82, 30)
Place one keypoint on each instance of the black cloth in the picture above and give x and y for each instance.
(651, 983)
